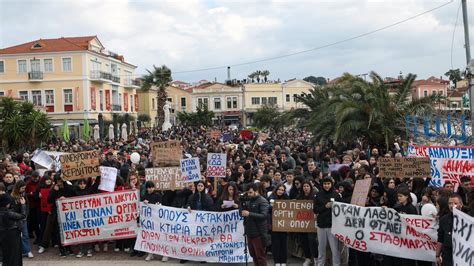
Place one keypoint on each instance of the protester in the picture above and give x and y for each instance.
(308, 240)
(10, 234)
(18, 194)
(279, 239)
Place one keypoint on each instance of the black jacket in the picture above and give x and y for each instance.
(67, 191)
(10, 219)
(256, 222)
(324, 219)
(152, 198)
(445, 237)
(206, 202)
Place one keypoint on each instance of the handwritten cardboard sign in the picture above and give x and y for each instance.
(361, 190)
(216, 164)
(293, 216)
(165, 178)
(216, 134)
(404, 167)
(214, 237)
(79, 165)
(190, 170)
(166, 153)
(385, 231)
(98, 217)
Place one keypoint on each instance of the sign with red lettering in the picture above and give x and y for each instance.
(107, 100)
(93, 98)
(385, 231)
(293, 216)
(98, 217)
(216, 164)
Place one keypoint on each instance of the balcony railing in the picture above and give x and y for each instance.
(116, 107)
(115, 79)
(35, 75)
(132, 83)
(100, 75)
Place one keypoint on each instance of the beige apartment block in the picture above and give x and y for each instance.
(75, 78)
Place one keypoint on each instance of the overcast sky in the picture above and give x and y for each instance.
(191, 34)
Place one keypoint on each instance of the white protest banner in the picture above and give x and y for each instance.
(43, 159)
(108, 176)
(463, 238)
(190, 169)
(216, 164)
(199, 235)
(98, 217)
(385, 231)
(448, 163)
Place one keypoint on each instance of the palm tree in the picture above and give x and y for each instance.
(356, 108)
(265, 74)
(159, 77)
(257, 74)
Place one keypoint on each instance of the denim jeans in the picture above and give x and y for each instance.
(25, 238)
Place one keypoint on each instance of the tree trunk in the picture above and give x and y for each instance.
(161, 100)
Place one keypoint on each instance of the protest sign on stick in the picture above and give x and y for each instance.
(190, 170)
(165, 178)
(80, 165)
(108, 177)
(293, 216)
(216, 164)
(463, 238)
(98, 217)
(166, 153)
(214, 237)
(404, 167)
(385, 231)
(361, 190)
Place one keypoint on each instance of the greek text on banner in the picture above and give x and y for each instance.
(105, 216)
(199, 235)
(463, 238)
(385, 231)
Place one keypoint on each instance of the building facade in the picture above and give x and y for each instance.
(73, 78)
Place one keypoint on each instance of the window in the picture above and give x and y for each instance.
(183, 102)
(21, 66)
(23, 95)
(48, 65)
(67, 64)
(288, 98)
(272, 100)
(433, 93)
(35, 65)
(425, 93)
(49, 97)
(264, 100)
(101, 100)
(36, 96)
(152, 103)
(169, 100)
(217, 103)
(2, 66)
(255, 100)
(441, 93)
(234, 102)
(295, 97)
(132, 102)
(67, 100)
(203, 103)
(2, 93)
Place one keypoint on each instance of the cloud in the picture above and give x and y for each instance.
(194, 34)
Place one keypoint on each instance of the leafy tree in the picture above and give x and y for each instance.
(202, 116)
(159, 77)
(257, 74)
(316, 80)
(144, 118)
(454, 75)
(265, 74)
(268, 116)
(21, 126)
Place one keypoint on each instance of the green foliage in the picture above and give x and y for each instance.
(355, 108)
(21, 126)
(316, 80)
(144, 118)
(203, 117)
(258, 75)
(269, 117)
(159, 77)
(454, 75)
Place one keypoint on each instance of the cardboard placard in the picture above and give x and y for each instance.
(216, 134)
(165, 178)
(166, 153)
(293, 216)
(108, 178)
(404, 167)
(361, 191)
(190, 170)
(79, 165)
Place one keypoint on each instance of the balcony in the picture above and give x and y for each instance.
(115, 79)
(132, 84)
(100, 76)
(35, 76)
(116, 107)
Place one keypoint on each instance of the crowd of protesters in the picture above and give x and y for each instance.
(282, 165)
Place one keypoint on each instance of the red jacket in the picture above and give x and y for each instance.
(30, 190)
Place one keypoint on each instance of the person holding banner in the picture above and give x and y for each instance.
(81, 189)
(323, 208)
(279, 239)
(405, 206)
(200, 201)
(151, 197)
(444, 249)
(46, 224)
(308, 240)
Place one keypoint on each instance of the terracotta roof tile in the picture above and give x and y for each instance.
(51, 45)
